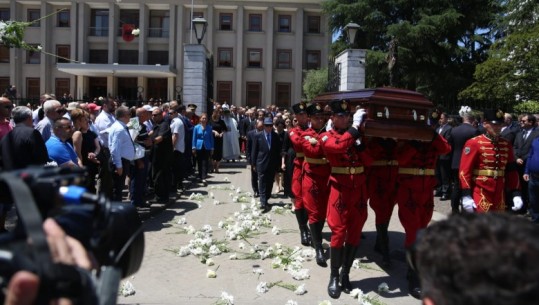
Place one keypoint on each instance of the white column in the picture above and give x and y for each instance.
(352, 69)
(143, 35)
(238, 95)
(297, 84)
(195, 89)
(267, 86)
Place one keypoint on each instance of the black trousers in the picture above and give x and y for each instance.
(456, 191)
(254, 180)
(443, 173)
(118, 181)
(265, 184)
(180, 168)
(203, 159)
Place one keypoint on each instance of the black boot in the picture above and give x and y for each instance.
(336, 257)
(302, 218)
(349, 256)
(383, 240)
(316, 236)
(414, 286)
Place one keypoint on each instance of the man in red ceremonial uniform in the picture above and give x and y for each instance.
(296, 138)
(416, 180)
(381, 177)
(487, 168)
(347, 205)
(316, 172)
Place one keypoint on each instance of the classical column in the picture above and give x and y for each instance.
(195, 86)
(352, 69)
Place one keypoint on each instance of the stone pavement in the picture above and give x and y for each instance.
(166, 278)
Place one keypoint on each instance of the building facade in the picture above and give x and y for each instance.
(259, 51)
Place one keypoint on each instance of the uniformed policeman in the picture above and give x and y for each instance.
(316, 172)
(296, 138)
(347, 204)
(487, 168)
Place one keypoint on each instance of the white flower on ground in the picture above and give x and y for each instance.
(325, 302)
(216, 202)
(182, 221)
(383, 287)
(211, 274)
(291, 302)
(355, 264)
(253, 201)
(357, 293)
(135, 32)
(258, 271)
(184, 251)
(262, 287)
(300, 290)
(238, 190)
(214, 250)
(231, 194)
(226, 179)
(275, 230)
(233, 256)
(209, 262)
(212, 195)
(127, 289)
(235, 199)
(227, 298)
(207, 228)
(241, 246)
(299, 275)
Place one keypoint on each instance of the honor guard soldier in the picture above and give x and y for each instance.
(296, 138)
(347, 205)
(381, 176)
(194, 117)
(316, 172)
(487, 168)
(415, 198)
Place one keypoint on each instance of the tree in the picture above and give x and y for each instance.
(315, 83)
(511, 73)
(440, 41)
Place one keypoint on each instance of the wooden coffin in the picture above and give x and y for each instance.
(391, 112)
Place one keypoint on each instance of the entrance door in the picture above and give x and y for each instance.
(97, 87)
(127, 89)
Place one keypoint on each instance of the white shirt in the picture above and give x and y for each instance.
(102, 123)
(177, 128)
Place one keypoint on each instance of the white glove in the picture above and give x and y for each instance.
(468, 204)
(517, 203)
(358, 117)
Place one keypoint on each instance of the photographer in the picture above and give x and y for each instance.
(23, 287)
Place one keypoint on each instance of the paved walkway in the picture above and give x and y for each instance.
(167, 278)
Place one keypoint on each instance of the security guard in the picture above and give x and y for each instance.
(296, 138)
(487, 168)
(316, 172)
(347, 205)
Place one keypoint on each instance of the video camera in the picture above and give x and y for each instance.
(111, 232)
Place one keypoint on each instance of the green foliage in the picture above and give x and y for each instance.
(527, 107)
(315, 82)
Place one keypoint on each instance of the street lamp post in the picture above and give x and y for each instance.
(200, 25)
(352, 62)
(351, 30)
(195, 68)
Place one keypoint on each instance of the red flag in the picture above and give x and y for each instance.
(127, 30)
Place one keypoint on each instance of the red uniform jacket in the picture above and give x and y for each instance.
(312, 148)
(296, 139)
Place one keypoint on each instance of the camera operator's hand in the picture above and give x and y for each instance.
(119, 171)
(23, 286)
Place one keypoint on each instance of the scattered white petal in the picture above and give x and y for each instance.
(275, 230)
(211, 274)
(182, 221)
(383, 287)
(300, 290)
(262, 287)
(291, 302)
(258, 271)
(227, 298)
(325, 302)
(127, 289)
(226, 179)
(233, 256)
(212, 195)
(216, 202)
(241, 246)
(210, 262)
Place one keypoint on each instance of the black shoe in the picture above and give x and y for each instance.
(256, 195)
(414, 285)
(334, 290)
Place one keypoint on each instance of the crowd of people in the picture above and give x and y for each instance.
(318, 155)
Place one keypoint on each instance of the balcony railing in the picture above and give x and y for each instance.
(158, 32)
(99, 31)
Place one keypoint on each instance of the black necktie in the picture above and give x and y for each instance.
(268, 138)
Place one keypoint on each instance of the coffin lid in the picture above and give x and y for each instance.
(386, 96)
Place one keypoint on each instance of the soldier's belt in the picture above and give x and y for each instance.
(347, 170)
(300, 155)
(416, 171)
(316, 160)
(489, 172)
(384, 162)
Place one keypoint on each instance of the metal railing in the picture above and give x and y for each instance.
(99, 31)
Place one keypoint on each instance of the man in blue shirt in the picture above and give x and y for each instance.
(531, 175)
(60, 151)
(122, 151)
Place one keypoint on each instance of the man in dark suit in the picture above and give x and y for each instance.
(251, 137)
(509, 129)
(523, 141)
(457, 137)
(443, 166)
(245, 125)
(266, 156)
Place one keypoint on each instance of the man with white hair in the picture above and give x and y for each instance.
(38, 114)
(52, 110)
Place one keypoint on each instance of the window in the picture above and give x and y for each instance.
(63, 19)
(33, 57)
(282, 92)
(254, 94)
(32, 88)
(255, 22)
(313, 24)
(225, 21)
(63, 53)
(4, 55)
(128, 57)
(254, 58)
(224, 57)
(4, 14)
(128, 17)
(159, 23)
(313, 60)
(157, 57)
(62, 86)
(33, 14)
(157, 88)
(224, 92)
(99, 24)
(285, 22)
(4, 82)
(99, 56)
(284, 59)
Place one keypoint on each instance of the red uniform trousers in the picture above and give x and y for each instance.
(316, 191)
(297, 177)
(347, 210)
(382, 191)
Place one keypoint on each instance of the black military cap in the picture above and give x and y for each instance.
(315, 108)
(493, 116)
(300, 107)
(340, 106)
(192, 106)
